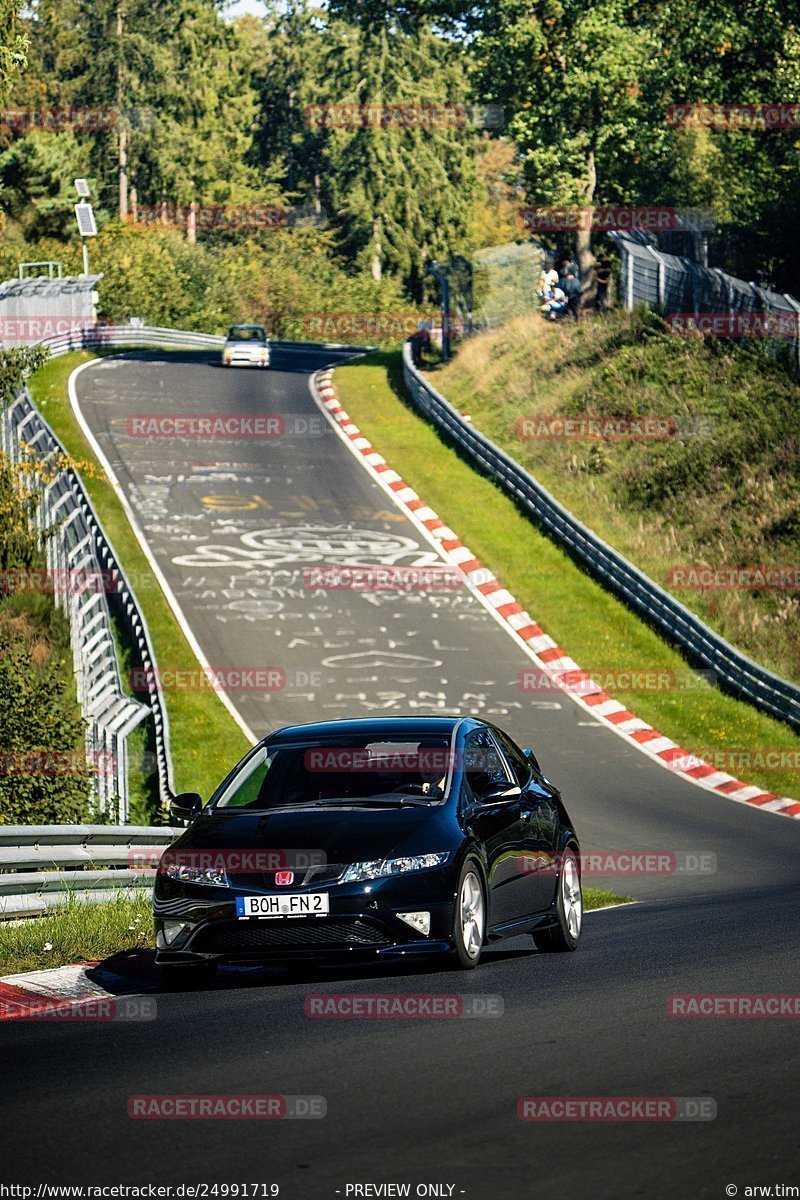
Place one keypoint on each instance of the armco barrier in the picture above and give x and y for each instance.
(739, 674)
(85, 575)
(43, 866)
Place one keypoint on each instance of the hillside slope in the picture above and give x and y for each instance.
(695, 462)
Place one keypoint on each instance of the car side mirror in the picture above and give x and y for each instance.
(499, 791)
(533, 760)
(185, 806)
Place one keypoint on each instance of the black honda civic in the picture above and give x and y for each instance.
(369, 839)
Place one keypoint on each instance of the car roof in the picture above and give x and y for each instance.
(231, 328)
(367, 726)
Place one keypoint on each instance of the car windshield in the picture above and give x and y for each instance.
(364, 772)
(246, 333)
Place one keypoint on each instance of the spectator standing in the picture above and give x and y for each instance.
(603, 277)
(567, 266)
(574, 292)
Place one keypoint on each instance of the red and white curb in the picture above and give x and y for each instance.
(64, 988)
(566, 674)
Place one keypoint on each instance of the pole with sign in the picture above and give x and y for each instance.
(87, 227)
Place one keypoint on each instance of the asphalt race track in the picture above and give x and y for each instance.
(233, 525)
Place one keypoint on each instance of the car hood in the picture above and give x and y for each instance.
(340, 835)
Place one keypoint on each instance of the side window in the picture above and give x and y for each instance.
(520, 765)
(482, 762)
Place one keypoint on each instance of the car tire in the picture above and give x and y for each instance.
(565, 935)
(177, 978)
(469, 917)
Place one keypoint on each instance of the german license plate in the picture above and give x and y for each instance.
(305, 904)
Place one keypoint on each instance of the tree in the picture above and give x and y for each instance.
(36, 188)
(13, 47)
(575, 77)
(286, 52)
(173, 83)
(400, 178)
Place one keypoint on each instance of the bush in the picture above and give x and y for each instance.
(276, 278)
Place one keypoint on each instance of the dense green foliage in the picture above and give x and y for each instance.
(226, 113)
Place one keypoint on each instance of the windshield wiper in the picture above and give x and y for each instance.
(358, 801)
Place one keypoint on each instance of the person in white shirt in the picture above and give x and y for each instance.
(547, 281)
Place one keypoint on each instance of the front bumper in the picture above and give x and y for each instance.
(362, 922)
(245, 359)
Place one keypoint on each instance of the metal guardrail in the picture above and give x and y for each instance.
(43, 866)
(732, 669)
(84, 575)
(155, 336)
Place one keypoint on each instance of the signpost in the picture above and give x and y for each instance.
(87, 226)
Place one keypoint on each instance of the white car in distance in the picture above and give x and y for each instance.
(246, 346)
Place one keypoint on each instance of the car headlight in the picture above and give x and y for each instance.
(213, 875)
(382, 868)
(227, 356)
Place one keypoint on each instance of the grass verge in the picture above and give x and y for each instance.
(710, 478)
(79, 933)
(599, 632)
(205, 740)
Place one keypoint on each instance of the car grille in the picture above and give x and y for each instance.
(329, 873)
(263, 935)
